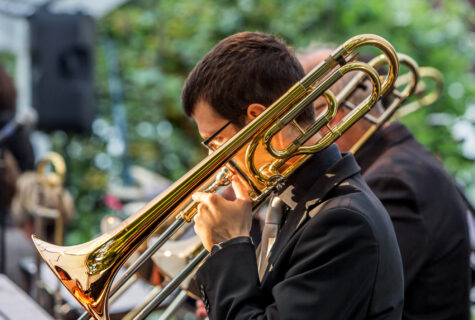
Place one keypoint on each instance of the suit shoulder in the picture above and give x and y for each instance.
(408, 161)
(394, 185)
(358, 208)
(342, 212)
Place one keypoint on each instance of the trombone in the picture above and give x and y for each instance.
(87, 270)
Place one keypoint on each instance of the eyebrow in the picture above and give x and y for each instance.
(217, 133)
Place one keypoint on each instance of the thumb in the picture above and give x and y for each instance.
(240, 187)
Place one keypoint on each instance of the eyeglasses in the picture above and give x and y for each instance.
(209, 143)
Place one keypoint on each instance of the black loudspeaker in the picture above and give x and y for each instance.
(62, 58)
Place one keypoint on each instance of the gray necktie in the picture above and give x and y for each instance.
(269, 233)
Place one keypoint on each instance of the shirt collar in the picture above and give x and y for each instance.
(382, 140)
(305, 176)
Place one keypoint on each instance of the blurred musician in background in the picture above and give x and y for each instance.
(24, 194)
(17, 157)
(19, 144)
(427, 211)
(331, 252)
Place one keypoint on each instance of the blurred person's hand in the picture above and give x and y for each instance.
(200, 310)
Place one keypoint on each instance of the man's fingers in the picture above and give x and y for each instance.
(205, 216)
(228, 193)
(210, 199)
(200, 196)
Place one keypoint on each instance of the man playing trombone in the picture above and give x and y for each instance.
(328, 249)
(427, 211)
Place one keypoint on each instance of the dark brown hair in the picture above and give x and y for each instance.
(243, 69)
(7, 95)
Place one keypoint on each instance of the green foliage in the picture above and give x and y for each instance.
(159, 42)
(7, 60)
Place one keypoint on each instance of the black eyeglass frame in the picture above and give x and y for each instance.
(206, 142)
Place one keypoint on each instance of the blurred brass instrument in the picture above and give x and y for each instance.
(412, 83)
(424, 96)
(87, 270)
(52, 178)
(409, 81)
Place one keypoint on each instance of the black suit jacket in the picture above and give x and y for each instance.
(336, 256)
(20, 146)
(429, 218)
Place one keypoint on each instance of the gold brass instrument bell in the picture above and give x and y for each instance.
(87, 270)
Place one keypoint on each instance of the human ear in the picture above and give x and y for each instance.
(253, 111)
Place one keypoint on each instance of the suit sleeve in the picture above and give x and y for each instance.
(400, 201)
(330, 274)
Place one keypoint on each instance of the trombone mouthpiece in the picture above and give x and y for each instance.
(223, 176)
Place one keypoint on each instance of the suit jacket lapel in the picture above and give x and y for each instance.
(343, 169)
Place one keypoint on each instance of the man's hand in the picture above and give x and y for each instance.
(219, 219)
(200, 310)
